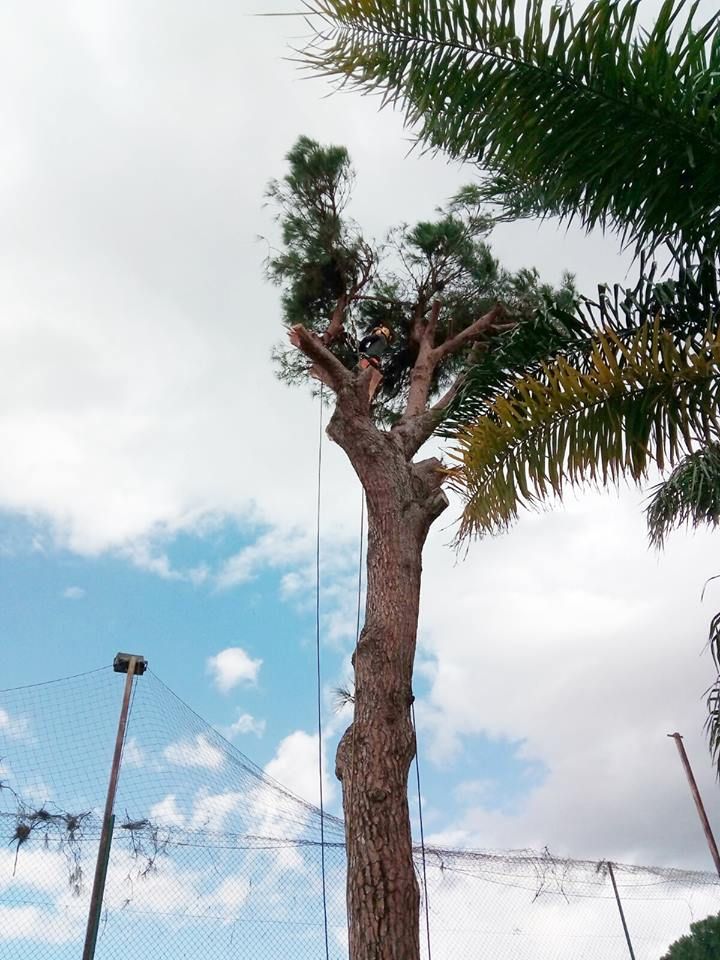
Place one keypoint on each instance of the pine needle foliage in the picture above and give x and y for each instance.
(702, 943)
(327, 269)
(323, 254)
(583, 116)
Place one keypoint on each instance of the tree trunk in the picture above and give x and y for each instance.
(374, 755)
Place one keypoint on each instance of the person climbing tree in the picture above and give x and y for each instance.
(371, 348)
(374, 344)
(452, 310)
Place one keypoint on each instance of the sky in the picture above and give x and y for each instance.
(158, 484)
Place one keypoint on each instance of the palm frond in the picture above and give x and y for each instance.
(686, 302)
(646, 400)
(586, 116)
(712, 723)
(690, 495)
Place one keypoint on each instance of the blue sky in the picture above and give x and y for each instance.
(61, 613)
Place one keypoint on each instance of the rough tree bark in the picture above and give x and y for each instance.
(374, 755)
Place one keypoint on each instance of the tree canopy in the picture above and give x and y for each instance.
(339, 285)
(702, 943)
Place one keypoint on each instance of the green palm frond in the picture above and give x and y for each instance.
(583, 116)
(712, 723)
(690, 495)
(687, 301)
(647, 400)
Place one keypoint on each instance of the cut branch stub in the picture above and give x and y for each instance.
(325, 365)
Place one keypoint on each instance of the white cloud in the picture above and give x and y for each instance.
(133, 753)
(166, 811)
(473, 791)
(36, 924)
(535, 910)
(195, 753)
(231, 667)
(36, 868)
(295, 766)
(274, 548)
(147, 555)
(245, 723)
(569, 636)
(73, 593)
(228, 897)
(291, 584)
(212, 810)
(15, 728)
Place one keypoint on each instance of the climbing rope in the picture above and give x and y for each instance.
(360, 559)
(319, 680)
(351, 782)
(422, 834)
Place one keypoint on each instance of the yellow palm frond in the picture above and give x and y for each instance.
(647, 400)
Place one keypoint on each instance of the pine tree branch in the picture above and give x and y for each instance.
(414, 432)
(482, 326)
(424, 366)
(441, 405)
(418, 422)
(325, 365)
(336, 328)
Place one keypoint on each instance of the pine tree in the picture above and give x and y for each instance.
(451, 310)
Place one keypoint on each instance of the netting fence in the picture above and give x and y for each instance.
(212, 859)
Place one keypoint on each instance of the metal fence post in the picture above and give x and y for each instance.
(132, 665)
(622, 912)
(677, 737)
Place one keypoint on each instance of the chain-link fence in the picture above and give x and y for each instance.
(212, 859)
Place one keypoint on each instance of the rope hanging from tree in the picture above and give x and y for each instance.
(319, 681)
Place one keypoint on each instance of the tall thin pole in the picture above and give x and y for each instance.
(622, 912)
(129, 664)
(698, 800)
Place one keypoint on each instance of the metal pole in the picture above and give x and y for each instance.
(698, 800)
(102, 863)
(132, 665)
(622, 913)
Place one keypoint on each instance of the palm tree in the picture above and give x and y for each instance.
(587, 118)
(593, 119)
